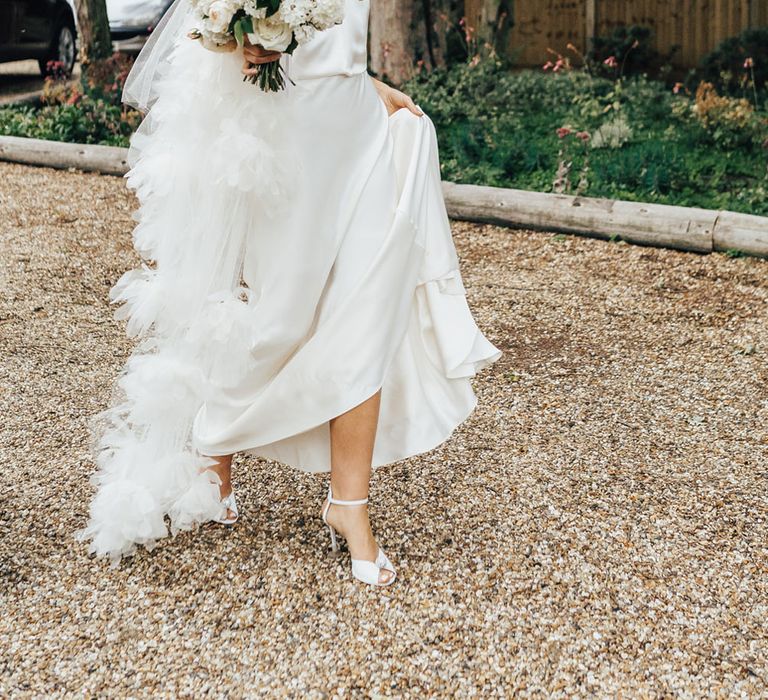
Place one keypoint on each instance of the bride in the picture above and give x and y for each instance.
(300, 297)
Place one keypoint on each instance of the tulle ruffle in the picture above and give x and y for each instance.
(198, 178)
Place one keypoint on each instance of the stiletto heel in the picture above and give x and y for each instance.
(366, 571)
(334, 543)
(228, 505)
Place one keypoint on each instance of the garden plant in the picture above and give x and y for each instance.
(583, 126)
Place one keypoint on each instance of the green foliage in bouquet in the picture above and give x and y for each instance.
(270, 76)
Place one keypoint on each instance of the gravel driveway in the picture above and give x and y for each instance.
(597, 528)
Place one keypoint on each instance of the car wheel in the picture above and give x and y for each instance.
(63, 50)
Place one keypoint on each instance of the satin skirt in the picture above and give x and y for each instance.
(298, 259)
(358, 289)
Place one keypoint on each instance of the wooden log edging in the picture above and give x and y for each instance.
(109, 160)
(683, 228)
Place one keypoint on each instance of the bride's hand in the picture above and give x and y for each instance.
(255, 56)
(217, 48)
(394, 99)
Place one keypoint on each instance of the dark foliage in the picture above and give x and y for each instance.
(725, 66)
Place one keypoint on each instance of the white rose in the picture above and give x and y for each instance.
(219, 16)
(272, 35)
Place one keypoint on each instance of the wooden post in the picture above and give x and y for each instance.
(591, 28)
(439, 19)
(753, 19)
(492, 20)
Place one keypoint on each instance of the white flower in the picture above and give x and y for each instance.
(327, 13)
(219, 16)
(295, 13)
(271, 33)
(304, 33)
(251, 9)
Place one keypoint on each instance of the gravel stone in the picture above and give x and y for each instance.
(596, 529)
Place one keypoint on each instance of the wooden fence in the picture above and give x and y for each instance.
(696, 26)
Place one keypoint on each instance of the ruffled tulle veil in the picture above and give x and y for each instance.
(198, 176)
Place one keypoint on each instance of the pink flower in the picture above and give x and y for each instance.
(560, 63)
(548, 65)
(611, 62)
(749, 63)
(677, 88)
(564, 131)
(583, 135)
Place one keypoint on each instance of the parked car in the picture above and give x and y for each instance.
(132, 21)
(38, 29)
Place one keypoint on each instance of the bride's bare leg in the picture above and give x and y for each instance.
(352, 437)
(223, 468)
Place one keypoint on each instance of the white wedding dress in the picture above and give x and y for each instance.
(302, 260)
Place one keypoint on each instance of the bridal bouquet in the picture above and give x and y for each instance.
(275, 25)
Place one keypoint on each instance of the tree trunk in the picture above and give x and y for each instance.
(93, 27)
(393, 39)
(405, 33)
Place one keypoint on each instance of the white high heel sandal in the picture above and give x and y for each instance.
(365, 571)
(228, 505)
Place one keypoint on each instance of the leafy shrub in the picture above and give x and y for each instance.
(487, 91)
(85, 121)
(727, 122)
(730, 121)
(104, 79)
(501, 128)
(725, 66)
(80, 113)
(626, 51)
(85, 112)
(647, 103)
(612, 134)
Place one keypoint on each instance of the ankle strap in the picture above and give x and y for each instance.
(338, 502)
